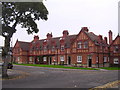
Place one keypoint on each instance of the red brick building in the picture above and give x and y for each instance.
(114, 50)
(84, 49)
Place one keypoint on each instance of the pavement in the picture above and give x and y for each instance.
(20, 74)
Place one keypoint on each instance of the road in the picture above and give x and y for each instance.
(42, 77)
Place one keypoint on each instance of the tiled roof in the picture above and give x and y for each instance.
(95, 39)
(67, 41)
(24, 45)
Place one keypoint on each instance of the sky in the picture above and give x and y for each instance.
(99, 16)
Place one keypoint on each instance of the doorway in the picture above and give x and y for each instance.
(50, 60)
(69, 60)
(89, 61)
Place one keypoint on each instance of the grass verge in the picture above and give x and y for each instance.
(111, 68)
(57, 66)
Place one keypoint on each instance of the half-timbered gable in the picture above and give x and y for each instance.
(20, 52)
(115, 52)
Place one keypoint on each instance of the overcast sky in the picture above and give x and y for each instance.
(99, 16)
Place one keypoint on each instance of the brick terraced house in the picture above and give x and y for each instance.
(84, 49)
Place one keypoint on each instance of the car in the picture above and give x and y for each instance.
(10, 65)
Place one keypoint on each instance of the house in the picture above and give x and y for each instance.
(114, 50)
(84, 49)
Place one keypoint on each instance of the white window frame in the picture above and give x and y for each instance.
(30, 59)
(53, 48)
(105, 59)
(97, 59)
(86, 44)
(18, 59)
(44, 58)
(79, 45)
(116, 61)
(45, 48)
(62, 47)
(61, 58)
(79, 59)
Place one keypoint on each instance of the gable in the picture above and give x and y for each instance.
(116, 41)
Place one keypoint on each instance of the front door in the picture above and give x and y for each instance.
(50, 60)
(89, 61)
(69, 60)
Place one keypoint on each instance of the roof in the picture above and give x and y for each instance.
(118, 36)
(95, 39)
(49, 43)
(24, 45)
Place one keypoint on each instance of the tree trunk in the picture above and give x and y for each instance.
(6, 57)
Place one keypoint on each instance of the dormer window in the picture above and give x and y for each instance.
(53, 48)
(79, 45)
(45, 48)
(62, 48)
(116, 49)
(86, 44)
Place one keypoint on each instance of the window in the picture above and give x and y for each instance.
(97, 59)
(79, 44)
(53, 48)
(105, 59)
(44, 58)
(116, 61)
(79, 59)
(30, 59)
(86, 44)
(116, 49)
(45, 48)
(18, 58)
(62, 58)
(62, 48)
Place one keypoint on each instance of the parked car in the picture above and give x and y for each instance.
(10, 65)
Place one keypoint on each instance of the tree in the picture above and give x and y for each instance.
(23, 13)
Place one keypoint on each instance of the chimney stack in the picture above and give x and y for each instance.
(65, 33)
(110, 36)
(85, 29)
(105, 38)
(49, 36)
(100, 37)
(36, 37)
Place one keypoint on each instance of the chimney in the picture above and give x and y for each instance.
(105, 38)
(49, 36)
(110, 36)
(100, 37)
(85, 29)
(36, 37)
(65, 33)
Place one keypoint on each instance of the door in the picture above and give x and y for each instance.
(89, 61)
(69, 60)
(50, 60)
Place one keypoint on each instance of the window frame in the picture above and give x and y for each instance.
(117, 59)
(61, 58)
(79, 59)
(86, 44)
(79, 44)
(44, 59)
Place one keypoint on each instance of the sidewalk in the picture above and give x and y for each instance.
(14, 74)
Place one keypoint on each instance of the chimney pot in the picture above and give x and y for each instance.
(110, 36)
(36, 37)
(65, 33)
(85, 29)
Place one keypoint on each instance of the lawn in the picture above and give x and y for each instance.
(57, 66)
(111, 68)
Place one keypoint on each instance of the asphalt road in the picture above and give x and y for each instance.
(41, 77)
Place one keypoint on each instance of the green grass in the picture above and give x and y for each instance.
(57, 66)
(111, 68)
